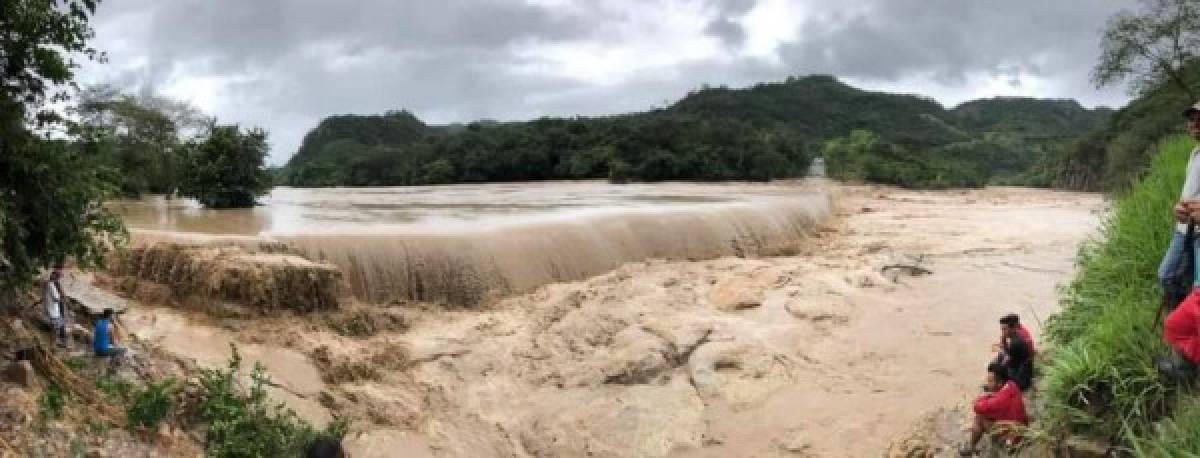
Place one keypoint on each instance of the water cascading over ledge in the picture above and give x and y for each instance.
(464, 266)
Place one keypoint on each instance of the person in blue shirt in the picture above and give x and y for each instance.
(104, 342)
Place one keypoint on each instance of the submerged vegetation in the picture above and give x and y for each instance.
(1101, 379)
(225, 168)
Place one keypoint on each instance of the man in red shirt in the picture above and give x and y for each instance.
(1000, 406)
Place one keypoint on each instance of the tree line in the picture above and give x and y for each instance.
(648, 148)
(765, 132)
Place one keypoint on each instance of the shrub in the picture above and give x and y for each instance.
(244, 423)
(52, 401)
(151, 405)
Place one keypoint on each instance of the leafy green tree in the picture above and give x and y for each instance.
(225, 168)
(1151, 46)
(50, 190)
(140, 135)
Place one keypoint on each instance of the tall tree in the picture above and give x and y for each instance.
(143, 134)
(50, 193)
(1151, 46)
(225, 169)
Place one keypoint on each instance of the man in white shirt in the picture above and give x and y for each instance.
(1190, 192)
(55, 303)
(1177, 282)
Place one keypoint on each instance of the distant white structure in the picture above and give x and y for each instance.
(817, 169)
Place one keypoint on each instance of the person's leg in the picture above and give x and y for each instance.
(981, 427)
(116, 355)
(59, 331)
(1171, 258)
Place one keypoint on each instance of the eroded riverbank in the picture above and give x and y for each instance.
(817, 354)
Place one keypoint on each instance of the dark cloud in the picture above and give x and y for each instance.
(284, 64)
(950, 39)
(725, 25)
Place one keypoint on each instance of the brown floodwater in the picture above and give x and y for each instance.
(463, 243)
(439, 209)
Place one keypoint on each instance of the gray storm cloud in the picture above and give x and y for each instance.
(284, 64)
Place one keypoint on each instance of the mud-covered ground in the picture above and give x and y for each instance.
(836, 351)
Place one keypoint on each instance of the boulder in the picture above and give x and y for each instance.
(22, 374)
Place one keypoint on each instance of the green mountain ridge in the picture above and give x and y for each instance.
(762, 132)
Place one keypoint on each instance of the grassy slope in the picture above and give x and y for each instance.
(1100, 379)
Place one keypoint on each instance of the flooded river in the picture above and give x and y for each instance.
(440, 209)
(463, 243)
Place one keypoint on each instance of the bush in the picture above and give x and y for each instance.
(52, 401)
(151, 405)
(1101, 378)
(244, 423)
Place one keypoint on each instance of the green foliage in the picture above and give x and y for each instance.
(151, 405)
(1150, 46)
(50, 209)
(244, 423)
(1114, 156)
(225, 169)
(760, 133)
(1176, 436)
(864, 156)
(141, 136)
(115, 388)
(76, 363)
(39, 42)
(49, 189)
(52, 401)
(1101, 377)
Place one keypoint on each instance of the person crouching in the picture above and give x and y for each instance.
(1001, 406)
(104, 341)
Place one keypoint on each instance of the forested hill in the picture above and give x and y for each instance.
(1032, 118)
(767, 131)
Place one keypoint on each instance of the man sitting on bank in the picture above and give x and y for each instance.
(104, 343)
(1000, 407)
(1012, 322)
(1016, 351)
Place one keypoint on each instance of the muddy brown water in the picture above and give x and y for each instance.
(816, 354)
(467, 243)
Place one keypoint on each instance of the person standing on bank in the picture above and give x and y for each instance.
(55, 303)
(1190, 193)
(1177, 281)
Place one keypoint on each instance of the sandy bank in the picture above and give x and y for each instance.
(818, 354)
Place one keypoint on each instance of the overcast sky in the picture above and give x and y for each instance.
(285, 64)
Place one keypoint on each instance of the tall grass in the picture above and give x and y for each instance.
(1100, 379)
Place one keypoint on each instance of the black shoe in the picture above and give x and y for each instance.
(1175, 366)
(965, 451)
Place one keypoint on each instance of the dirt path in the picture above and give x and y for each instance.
(818, 354)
